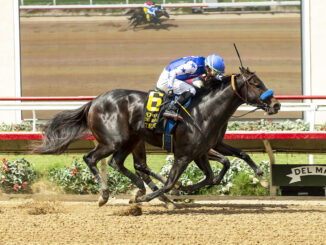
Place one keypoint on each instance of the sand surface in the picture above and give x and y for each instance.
(219, 222)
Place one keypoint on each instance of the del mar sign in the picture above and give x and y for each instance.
(299, 175)
(298, 172)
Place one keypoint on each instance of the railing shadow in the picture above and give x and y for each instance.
(231, 209)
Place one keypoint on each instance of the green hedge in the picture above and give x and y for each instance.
(19, 175)
(257, 125)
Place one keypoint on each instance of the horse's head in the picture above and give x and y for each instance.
(163, 11)
(251, 90)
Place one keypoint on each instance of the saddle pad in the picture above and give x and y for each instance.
(168, 132)
(167, 136)
(152, 109)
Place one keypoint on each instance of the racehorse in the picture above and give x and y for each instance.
(138, 16)
(115, 120)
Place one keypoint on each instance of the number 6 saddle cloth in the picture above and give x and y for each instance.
(153, 110)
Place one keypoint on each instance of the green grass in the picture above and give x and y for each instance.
(43, 163)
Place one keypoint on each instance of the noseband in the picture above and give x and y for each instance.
(261, 104)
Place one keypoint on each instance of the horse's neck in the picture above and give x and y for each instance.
(218, 107)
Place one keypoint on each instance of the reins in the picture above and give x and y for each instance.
(234, 88)
(246, 80)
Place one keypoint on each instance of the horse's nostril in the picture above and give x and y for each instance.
(277, 106)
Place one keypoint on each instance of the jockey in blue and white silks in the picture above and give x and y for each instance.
(176, 78)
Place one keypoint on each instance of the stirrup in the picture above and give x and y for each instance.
(174, 116)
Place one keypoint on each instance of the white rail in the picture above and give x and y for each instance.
(312, 108)
(205, 4)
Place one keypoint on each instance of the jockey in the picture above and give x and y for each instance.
(149, 9)
(148, 4)
(176, 79)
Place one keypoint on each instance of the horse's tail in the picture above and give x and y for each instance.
(130, 11)
(65, 128)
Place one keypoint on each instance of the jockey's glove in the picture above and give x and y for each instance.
(170, 94)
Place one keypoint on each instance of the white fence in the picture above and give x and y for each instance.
(166, 4)
(312, 108)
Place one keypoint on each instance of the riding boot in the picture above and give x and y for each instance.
(172, 110)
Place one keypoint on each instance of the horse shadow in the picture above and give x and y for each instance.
(230, 209)
(162, 26)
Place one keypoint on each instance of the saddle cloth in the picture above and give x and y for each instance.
(152, 120)
(152, 109)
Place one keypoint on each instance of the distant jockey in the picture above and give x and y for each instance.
(150, 9)
(182, 76)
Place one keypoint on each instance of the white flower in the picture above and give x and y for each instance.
(169, 158)
(189, 182)
(168, 168)
(255, 180)
(229, 185)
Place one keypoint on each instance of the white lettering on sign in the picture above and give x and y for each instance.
(298, 172)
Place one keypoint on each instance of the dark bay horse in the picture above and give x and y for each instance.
(115, 119)
(138, 16)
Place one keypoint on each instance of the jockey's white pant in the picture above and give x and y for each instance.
(179, 86)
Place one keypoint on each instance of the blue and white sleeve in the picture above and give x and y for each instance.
(219, 77)
(188, 68)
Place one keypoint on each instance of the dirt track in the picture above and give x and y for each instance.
(89, 55)
(222, 222)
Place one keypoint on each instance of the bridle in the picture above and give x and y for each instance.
(261, 98)
(261, 104)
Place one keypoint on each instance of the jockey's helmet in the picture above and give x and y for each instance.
(216, 63)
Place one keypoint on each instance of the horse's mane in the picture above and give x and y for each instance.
(213, 84)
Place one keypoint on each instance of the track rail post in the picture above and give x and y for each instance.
(269, 151)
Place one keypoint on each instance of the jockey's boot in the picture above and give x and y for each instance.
(172, 110)
(148, 18)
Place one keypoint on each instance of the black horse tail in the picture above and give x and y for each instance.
(63, 129)
(130, 11)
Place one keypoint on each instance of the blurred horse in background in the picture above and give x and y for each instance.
(138, 16)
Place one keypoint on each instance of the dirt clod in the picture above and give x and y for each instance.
(39, 208)
(131, 210)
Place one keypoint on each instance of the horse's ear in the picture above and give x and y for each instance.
(242, 69)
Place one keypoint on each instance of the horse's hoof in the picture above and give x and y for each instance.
(171, 206)
(140, 192)
(175, 192)
(264, 183)
(102, 201)
(133, 199)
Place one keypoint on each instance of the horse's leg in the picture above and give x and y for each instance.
(146, 170)
(179, 166)
(116, 162)
(136, 23)
(139, 155)
(215, 156)
(204, 165)
(228, 150)
(91, 159)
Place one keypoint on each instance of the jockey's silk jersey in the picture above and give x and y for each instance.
(185, 68)
(151, 10)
